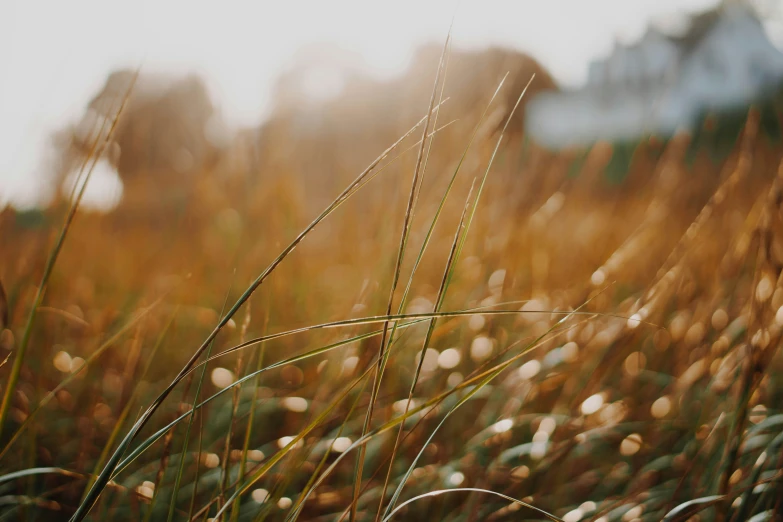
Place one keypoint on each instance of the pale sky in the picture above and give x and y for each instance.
(54, 55)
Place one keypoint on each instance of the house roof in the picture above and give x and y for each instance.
(624, 100)
(702, 23)
(700, 26)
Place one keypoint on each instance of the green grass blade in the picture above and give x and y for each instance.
(413, 319)
(21, 350)
(472, 212)
(425, 344)
(473, 490)
(314, 476)
(417, 318)
(126, 410)
(480, 379)
(406, 225)
(84, 508)
(259, 473)
(251, 417)
(71, 376)
(199, 384)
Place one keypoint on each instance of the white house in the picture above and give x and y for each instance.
(662, 83)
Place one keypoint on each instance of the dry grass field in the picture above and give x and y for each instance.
(468, 329)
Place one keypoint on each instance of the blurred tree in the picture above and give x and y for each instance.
(342, 133)
(161, 141)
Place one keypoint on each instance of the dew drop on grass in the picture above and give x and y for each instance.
(538, 450)
(295, 404)
(77, 363)
(62, 361)
(534, 310)
(282, 442)
(588, 506)
(502, 425)
(569, 352)
(400, 405)
(235, 455)
(693, 373)
(341, 444)
(146, 489)
(449, 358)
(592, 404)
(678, 326)
(530, 369)
(634, 363)
(547, 425)
(661, 407)
(764, 289)
(760, 339)
(633, 514)
(211, 460)
(631, 445)
(758, 413)
(598, 277)
(720, 319)
(495, 282)
(101, 411)
(456, 478)
(259, 495)
(430, 363)
(476, 322)
(454, 379)
(634, 321)
(222, 378)
(349, 364)
(420, 305)
(481, 348)
(490, 301)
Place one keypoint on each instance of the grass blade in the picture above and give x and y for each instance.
(199, 384)
(415, 187)
(71, 376)
(259, 473)
(85, 507)
(94, 155)
(474, 490)
(126, 410)
(427, 338)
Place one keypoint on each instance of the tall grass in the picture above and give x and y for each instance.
(465, 333)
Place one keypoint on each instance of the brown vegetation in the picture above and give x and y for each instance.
(650, 392)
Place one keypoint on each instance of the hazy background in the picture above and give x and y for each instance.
(650, 200)
(55, 55)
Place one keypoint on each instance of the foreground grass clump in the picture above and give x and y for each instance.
(468, 331)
